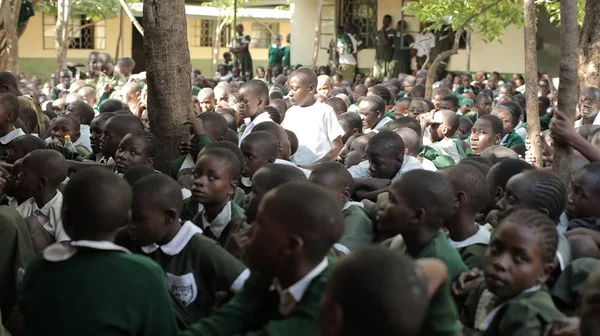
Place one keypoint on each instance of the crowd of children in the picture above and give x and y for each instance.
(302, 203)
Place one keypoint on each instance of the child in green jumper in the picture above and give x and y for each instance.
(513, 300)
(136, 148)
(509, 113)
(122, 294)
(358, 228)
(67, 125)
(196, 267)
(9, 113)
(470, 194)
(419, 204)
(297, 224)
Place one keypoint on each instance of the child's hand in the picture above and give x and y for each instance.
(564, 326)
(54, 144)
(196, 126)
(107, 88)
(465, 282)
(561, 128)
(184, 148)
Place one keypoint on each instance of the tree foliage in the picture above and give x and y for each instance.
(553, 9)
(94, 10)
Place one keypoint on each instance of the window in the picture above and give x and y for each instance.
(362, 15)
(203, 33)
(84, 34)
(263, 34)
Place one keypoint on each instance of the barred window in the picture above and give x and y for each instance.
(261, 35)
(362, 14)
(203, 33)
(84, 34)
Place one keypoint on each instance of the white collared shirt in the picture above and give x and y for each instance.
(362, 169)
(290, 163)
(15, 133)
(264, 116)
(63, 251)
(84, 138)
(187, 163)
(482, 236)
(379, 125)
(447, 146)
(490, 317)
(298, 289)
(49, 216)
(220, 222)
(579, 123)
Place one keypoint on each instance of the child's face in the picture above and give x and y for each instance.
(370, 82)
(359, 93)
(250, 104)
(513, 261)
(149, 224)
(517, 195)
(222, 70)
(484, 105)
(14, 153)
(466, 81)
(369, 115)
(28, 181)
(96, 133)
(212, 182)
(260, 73)
(132, 151)
(356, 154)
(110, 139)
(206, 102)
(482, 136)
(301, 92)
(416, 108)
(145, 120)
(235, 72)
(589, 105)
(6, 118)
(65, 79)
(275, 72)
(584, 196)
(348, 132)
(324, 88)
(63, 126)
(396, 213)
(383, 165)
(248, 75)
(11, 181)
(493, 82)
(254, 157)
(337, 81)
(227, 58)
(506, 117)
(437, 100)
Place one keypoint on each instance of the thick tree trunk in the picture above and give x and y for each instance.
(11, 59)
(168, 75)
(62, 33)
(589, 44)
(531, 83)
(567, 88)
(317, 42)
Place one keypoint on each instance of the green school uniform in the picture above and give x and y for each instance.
(472, 255)
(439, 160)
(527, 314)
(81, 150)
(202, 140)
(568, 288)
(191, 207)
(545, 121)
(16, 251)
(238, 219)
(512, 139)
(239, 198)
(243, 58)
(95, 288)
(358, 228)
(275, 55)
(195, 90)
(402, 51)
(287, 58)
(442, 316)
(383, 53)
(254, 311)
(461, 89)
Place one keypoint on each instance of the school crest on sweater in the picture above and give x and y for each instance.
(183, 287)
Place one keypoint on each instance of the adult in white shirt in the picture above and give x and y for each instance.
(253, 96)
(315, 124)
(589, 106)
(372, 113)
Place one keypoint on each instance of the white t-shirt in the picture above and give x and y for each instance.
(263, 117)
(423, 43)
(344, 57)
(316, 127)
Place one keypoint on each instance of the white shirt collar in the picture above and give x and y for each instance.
(490, 317)
(350, 203)
(65, 250)
(290, 163)
(382, 123)
(579, 123)
(15, 133)
(410, 163)
(188, 162)
(482, 236)
(298, 289)
(176, 245)
(220, 222)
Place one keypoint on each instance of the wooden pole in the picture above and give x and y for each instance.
(531, 82)
(132, 18)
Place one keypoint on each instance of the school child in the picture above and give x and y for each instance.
(466, 87)
(483, 106)
(509, 114)
(413, 147)
(464, 128)
(419, 204)
(22, 146)
(464, 105)
(316, 126)
(196, 267)
(253, 96)
(207, 100)
(259, 149)
(360, 91)
(324, 86)
(66, 125)
(417, 107)
(280, 105)
(214, 183)
(543, 191)
(443, 125)
(498, 153)
(581, 206)
(85, 114)
(389, 294)
(283, 294)
(372, 111)
(486, 132)
(449, 102)
(357, 151)
(96, 204)
(97, 127)
(401, 107)
(227, 61)
(136, 148)
(471, 192)
(115, 129)
(351, 124)
(358, 228)
(337, 104)
(512, 299)
(29, 117)
(42, 172)
(9, 113)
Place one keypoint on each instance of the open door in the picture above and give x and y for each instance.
(137, 49)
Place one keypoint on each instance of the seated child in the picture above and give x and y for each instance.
(499, 153)
(509, 114)
(401, 107)
(419, 204)
(284, 144)
(360, 91)
(483, 106)
(358, 228)
(388, 294)
(85, 114)
(138, 147)
(96, 204)
(449, 102)
(486, 132)
(67, 125)
(466, 85)
(413, 145)
(43, 170)
(470, 194)
(254, 96)
(97, 127)
(513, 299)
(324, 85)
(357, 152)
(29, 117)
(22, 146)
(337, 104)
(372, 112)
(417, 107)
(464, 128)
(214, 183)
(581, 206)
(9, 113)
(259, 149)
(116, 128)
(290, 267)
(443, 125)
(351, 124)
(281, 106)
(196, 267)
(315, 124)
(207, 100)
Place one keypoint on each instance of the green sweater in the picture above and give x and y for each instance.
(439, 160)
(358, 228)
(472, 255)
(96, 292)
(202, 140)
(512, 139)
(254, 311)
(238, 219)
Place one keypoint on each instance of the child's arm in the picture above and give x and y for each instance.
(336, 148)
(563, 131)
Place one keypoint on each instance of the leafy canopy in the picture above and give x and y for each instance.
(94, 10)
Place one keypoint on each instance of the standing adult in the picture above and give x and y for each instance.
(275, 52)
(403, 51)
(241, 50)
(287, 51)
(345, 47)
(384, 49)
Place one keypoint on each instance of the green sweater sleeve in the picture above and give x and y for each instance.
(103, 97)
(438, 159)
(201, 140)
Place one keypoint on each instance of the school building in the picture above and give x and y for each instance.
(262, 18)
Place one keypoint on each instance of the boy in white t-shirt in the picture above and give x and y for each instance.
(315, 124)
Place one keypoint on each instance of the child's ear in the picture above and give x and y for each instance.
(150, 162)
(346, 194)
(497, 139)
(312, 88)
(220, 138)
(233, 187)
(547, 270)
(499, 194)
(419, 216)
(294, 246)
(445, 130)
(171, 216)
(42, 182)
(271, 159)
(355, 131)
(461, 198)
(400, 161)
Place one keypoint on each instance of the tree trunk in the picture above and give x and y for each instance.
(317, 42)
(11, 59)
(531, 83)
(62, 33)
(589, 44)
(567, 88)
(445, 54)
(168, 75)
